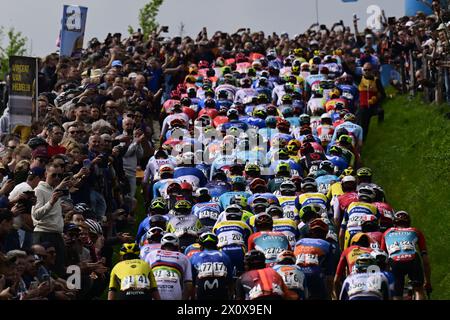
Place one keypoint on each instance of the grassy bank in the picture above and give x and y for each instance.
(410, 156)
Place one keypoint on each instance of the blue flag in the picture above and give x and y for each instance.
(72, 30)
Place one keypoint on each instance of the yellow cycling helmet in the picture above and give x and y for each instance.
(129, 249)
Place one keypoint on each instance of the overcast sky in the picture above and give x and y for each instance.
(39, 20)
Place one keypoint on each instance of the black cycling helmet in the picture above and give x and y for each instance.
(254, 259)
(263, 221)
(158, 221)
(402, 218)
(208, 239)
(275, 211)
(309, 185)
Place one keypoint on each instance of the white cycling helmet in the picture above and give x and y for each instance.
(170, 238)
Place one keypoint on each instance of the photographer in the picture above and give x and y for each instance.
(47, 213)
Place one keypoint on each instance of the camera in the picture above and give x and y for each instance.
(165, 29)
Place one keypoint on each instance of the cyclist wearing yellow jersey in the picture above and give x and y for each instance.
(132, 278)
(288, 191)
(310, 195)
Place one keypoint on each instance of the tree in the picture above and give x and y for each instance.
(16, 47)
(147, 17)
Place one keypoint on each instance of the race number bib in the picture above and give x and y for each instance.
(230, 238)
(165, 275)
(135, 282)
(208, 214)
(293, 280)
(212, 269)
(307, 259)
(393, 248)
(272, 253)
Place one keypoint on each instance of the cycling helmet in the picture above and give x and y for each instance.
(129, 249)
(309, 185)
(245, 82)
(288, 186)
(82, 208)
(257, 184)
(307, 212)
(155, 234)
(173, 188)
(158, 220)
(283, 125)
(296, 69)
(363, 262)
(318, 224)
(158, 203)
(350, 117)
(94, 226)
(263, 220)
(283, 168)
(348, 171)
(275, 211)
(379, 193)
(287, 112)
(364, 172)
(271, 121)
(232, 113)
(210, 103)
(239, 200)
(286, 257)
(238, 180)
(370, 225)
(170, 239)
(260, 113)
(327, 166)
(233, 212)
(360, 238)
(380, 257)
(366, 193)
(251, 167)
(305, 119)
(294, 146)
(402, 218)
(283, 154)
(208, 237)
(286, 98)
(186, 186)
(345, 139)
(182, 207)
(254, 259)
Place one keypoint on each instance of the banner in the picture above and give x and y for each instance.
(22, 90)
(72, 31)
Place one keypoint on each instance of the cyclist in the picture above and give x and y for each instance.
(260, 282)
(152, 241)
(292, 275)
(132, 278)
(325, 176)
(316, 259)
(386, 211)
(310, 195)
(400, 242)
(238, 185)
(360, 244)
(341, 203)
(288, 191)
(184, 224)
(365, 285)
(270, 242)
(212, 270)
(284, 225)
(282, 173)
(171, 269)
(358, 211)
(233, 234)
(158, 207)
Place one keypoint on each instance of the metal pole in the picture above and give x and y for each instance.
(317, 11)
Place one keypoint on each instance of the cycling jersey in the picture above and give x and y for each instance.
(353, 128)
(171, 270)
(356, 213)
(133, 279)
(225, 199)
(191, 250)
(152, 168)
(186, 227)
(311, 198)
(339, 162)
(288, 227)
(234, 123)
(315, 106)
(207, 213)
(261, 284)
(147, 248)
(386, 215)
(144, 226)
(315, 257)
(365, 286)
(271, 243)
(256, 123)
(294, 278)
(289, 209)
(212, 271)
(400, 243)
(348, 259)
(325, 181)
(192, 175)
(341, 204)
(243, 93)
(160, 187)
(325, 133)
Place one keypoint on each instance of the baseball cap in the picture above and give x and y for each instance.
(37, 172)
(116, 63)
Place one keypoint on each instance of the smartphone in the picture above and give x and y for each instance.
(87, 163)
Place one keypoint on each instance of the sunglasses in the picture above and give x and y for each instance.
(76, 132)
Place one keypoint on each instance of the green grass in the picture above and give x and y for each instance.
(410, 156)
